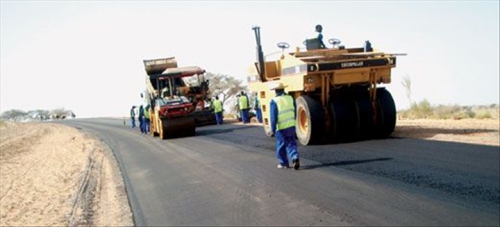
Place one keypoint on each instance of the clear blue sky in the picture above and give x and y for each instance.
(87, 55)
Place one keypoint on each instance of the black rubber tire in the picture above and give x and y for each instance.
(386, 114)
(342, 118)
(192, 129)
(364, 115)
(315, 119)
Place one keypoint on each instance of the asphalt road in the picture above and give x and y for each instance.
(227, 175)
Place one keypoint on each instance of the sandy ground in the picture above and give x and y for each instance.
(474, 131)
(53, 175)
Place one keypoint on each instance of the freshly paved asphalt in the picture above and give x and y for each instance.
(227, 175)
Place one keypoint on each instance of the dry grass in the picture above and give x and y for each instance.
(424, 110)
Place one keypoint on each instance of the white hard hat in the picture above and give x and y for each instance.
(275, 86)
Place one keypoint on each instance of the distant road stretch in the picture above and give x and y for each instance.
(227, 175)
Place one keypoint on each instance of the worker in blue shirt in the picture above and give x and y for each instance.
(256, 107)
(319, 29)
(244, 105)
(283, 122)
(132, 117)
(218, 110)
(145, 119)
(141, 116)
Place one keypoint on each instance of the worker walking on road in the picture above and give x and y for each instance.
(132, 117)
(146, 118)
(218, 110)
(244, 105)
(256, 107)
(141, 116)
(283, 111)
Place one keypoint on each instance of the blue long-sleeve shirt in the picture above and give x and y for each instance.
(320, 39)
(274, 117)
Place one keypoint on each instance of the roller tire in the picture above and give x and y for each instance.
(386, 114)
(310, 121)
(364, 116)
(342, 118)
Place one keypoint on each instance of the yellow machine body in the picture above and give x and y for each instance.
(318, 77)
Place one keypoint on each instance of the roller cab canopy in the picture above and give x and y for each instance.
(180, 72)
(157, 66)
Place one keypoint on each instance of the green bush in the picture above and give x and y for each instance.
(424, 109)
(446, 111)
(483, 114)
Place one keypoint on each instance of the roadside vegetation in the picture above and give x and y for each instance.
(16, 115)
(425, 110)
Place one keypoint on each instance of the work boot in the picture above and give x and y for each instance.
(281, 166)
(296, 164)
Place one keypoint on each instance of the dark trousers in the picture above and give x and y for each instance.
(132, 122)
(145, 125)
(286, 148)
(218, 118)
(259, 115)
(245, 116)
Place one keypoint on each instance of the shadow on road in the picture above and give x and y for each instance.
(206, 131)
(342, 163)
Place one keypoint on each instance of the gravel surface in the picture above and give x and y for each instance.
(54, 175)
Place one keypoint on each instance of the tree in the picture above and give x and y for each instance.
(39, 114)
(14, 115)
(407, 86)
(224, 86)
(60, 113)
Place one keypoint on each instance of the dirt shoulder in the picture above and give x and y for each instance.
(473, 131)
(55, 175)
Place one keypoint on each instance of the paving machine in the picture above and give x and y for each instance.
(177, 97)
(337, 90)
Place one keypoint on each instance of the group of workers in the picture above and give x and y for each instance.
(282, 109)
(282, 116)
(242, 105)
(144, 116)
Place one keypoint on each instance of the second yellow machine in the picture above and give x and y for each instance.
(336, 90)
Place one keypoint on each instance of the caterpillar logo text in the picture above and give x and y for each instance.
(351, 64)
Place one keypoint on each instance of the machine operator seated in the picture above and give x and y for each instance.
(317, 41)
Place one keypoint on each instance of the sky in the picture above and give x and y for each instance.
(87, 56)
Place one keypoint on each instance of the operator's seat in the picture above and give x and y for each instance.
(313, 44)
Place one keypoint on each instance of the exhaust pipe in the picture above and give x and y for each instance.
(260, 55)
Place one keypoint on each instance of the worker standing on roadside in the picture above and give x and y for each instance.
(132, 117)
(146, 118)
(244, 105)
(141, 116)
(256, 107)
(218, 110)
(283, 111)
